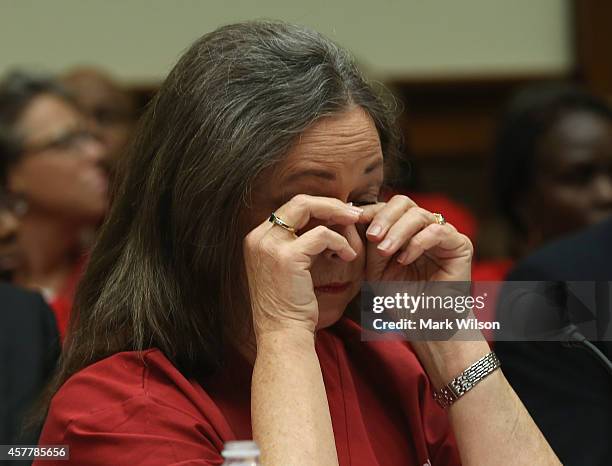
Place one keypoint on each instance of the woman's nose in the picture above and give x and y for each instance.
(94, 150)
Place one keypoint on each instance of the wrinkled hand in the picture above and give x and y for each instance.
(406, 244)
(278, 262)
(409, 245)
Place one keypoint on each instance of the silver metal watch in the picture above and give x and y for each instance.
(467, 380)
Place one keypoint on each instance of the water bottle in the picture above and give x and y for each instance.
(241, 453)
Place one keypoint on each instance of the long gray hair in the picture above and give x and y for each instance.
(163, 272)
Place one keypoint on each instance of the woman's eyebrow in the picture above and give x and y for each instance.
(316, 172)
(329, 175)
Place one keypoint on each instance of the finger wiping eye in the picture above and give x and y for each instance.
(364, 203)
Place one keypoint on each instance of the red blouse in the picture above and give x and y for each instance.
(132, 410)
(61, 304)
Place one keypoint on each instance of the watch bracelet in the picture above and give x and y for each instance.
(468, 379)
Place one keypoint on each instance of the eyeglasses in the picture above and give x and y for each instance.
(68, 141)
(12, 203)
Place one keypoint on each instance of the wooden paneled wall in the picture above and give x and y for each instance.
(449, 123)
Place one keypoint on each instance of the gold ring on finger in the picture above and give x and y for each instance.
(281, 223)
(440, 220)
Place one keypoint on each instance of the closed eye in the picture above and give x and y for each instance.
(362, 203)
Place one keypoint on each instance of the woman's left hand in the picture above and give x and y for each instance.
(411, 246)
(405, 243)
(432, 252)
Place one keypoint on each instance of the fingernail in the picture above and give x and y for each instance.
(374, 229)
(386, 244)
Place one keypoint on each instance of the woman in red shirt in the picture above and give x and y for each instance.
(200, 321)
(55, 168)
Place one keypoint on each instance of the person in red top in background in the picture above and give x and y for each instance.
(55, 168)
(203, 318)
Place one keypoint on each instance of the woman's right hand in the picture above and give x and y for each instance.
(278, 262)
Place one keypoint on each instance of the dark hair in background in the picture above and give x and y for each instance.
(166, 269)
(17, 90)
(530, 115)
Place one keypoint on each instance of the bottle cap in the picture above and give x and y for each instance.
(240, 449)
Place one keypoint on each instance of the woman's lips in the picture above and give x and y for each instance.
(333, 288)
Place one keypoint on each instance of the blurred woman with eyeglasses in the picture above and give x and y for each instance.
(57, 181)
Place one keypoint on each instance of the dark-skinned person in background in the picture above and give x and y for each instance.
(55, 169)
(29, 341)
(554, 181)
(245, 220)
(552, 165)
